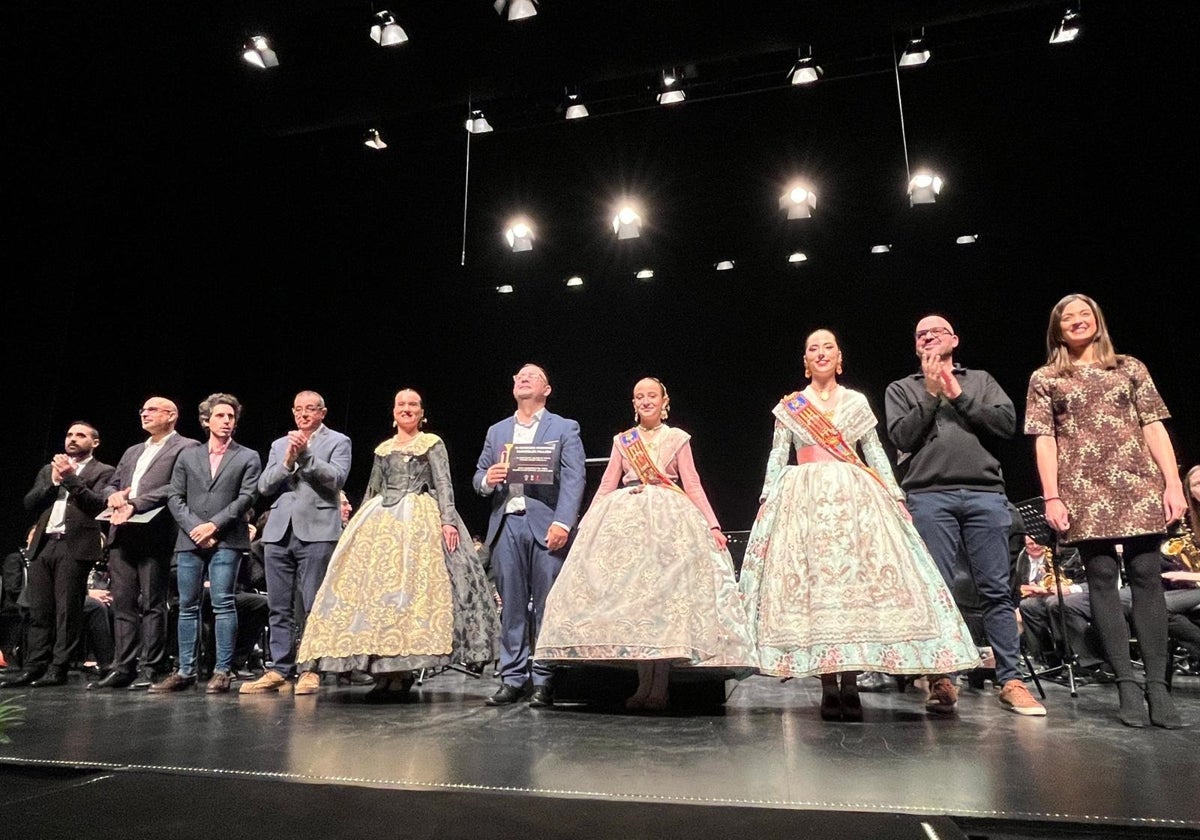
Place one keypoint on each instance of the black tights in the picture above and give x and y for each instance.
(1143, 572)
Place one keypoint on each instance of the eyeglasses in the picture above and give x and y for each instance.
(933, 332)
(307, 409)
(151, 410)
(528, 377)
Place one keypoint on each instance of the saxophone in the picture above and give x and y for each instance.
(1183, 546)
(1048, 579)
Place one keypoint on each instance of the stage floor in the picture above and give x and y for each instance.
(1074, 771)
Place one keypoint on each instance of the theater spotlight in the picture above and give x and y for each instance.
(916, 53)
(1069, 29)
(478, 123)
(670, 93)
(517, 9)
(374, 139)
(627, 224)
(519, 235)
(924, 188)
(386, 32)
(257, 51)
(805, 71)
(799, 201)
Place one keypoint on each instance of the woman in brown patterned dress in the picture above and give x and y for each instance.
(1108, 474)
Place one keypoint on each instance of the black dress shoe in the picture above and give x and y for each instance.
(147, 677)
(114, 679)
(505, 695)
(21, 679)
(52, 677)
(543, 697)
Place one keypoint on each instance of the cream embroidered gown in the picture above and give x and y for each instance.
(393, 598)
(834, 577)
(644, 579)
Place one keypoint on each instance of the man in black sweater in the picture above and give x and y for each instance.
(941, 421)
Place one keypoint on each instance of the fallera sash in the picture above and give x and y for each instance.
(634, 449)
(827, 435)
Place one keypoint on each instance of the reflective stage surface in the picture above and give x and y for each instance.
(765, 748)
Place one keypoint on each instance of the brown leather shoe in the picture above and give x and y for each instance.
(175, 681)
(943, 695)
(220, 683)
(268, 682)
(309, 683)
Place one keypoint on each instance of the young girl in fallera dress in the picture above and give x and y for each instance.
(648, 582)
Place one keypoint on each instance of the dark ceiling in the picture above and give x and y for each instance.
(155, 179)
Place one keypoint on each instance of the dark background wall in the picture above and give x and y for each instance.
(178, 223)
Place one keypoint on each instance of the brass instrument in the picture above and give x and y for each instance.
(1048, 579)
(1183, 546)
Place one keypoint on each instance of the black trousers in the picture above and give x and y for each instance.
(55, 589)
(139, 575)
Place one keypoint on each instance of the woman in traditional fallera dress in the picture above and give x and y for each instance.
(1109, 478)
(405, 589)
(836, 579)
(648, 581)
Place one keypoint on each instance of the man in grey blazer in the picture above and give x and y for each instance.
(305, 471)
(528, 528)
(141, 538)
(212, 489)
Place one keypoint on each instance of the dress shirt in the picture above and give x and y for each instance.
(58, 511)
(149, 453)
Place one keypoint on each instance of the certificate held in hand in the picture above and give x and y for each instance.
(531, 463)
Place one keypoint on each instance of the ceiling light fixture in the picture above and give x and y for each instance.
(881, 249)
(575, 108)
(386, 32)
(797, 257)
(645, 274)
(799, 201)
(574, 282)
(257, 51)
(670, 94)
(517, 9)
(924, 186)
(967, 239)
(627, 223)
(478, 124)
(1069, 29)
(724, 265)
(505, 289)
(519, 235)
(916, 53)
(374, 140)
(805, 71)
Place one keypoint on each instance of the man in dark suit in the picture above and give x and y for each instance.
(305, 471)
(212, 488)
(67, 541)
(141, 537)
(528, 528)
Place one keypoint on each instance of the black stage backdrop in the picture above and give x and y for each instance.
(163, 236)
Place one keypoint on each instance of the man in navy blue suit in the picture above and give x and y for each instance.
(529, 528)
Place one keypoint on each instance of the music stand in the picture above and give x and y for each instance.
(1033, 517)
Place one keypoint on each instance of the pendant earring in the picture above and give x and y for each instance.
(807, 372)
(421, 425)
(394, 426)
(839, 369)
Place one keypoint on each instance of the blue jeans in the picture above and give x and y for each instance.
(950, 520)
(222, 574)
